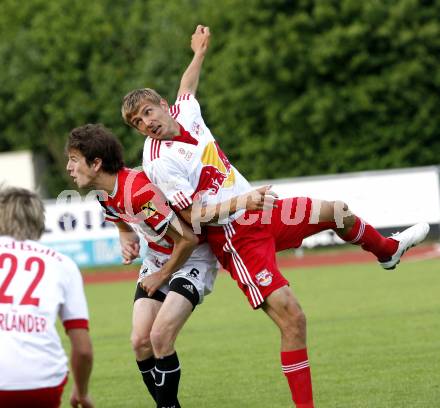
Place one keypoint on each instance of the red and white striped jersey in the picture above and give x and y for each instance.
(141, 204)
(37, 284)
(192, 164)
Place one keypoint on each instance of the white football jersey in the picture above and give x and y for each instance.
(192, 165)
(37, 284)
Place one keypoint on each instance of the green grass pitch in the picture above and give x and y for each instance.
(373, 335)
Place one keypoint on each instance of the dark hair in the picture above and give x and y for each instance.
(96, 141)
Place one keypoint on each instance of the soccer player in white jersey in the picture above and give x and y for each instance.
(176, 272)
(183, 159)
(37, 284)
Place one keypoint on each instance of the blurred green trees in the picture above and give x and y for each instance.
(288, 87)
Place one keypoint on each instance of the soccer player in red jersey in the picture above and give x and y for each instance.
(182, 157)
(177, 272)
(162, 305)
(37, 284)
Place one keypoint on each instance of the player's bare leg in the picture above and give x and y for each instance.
(169, 321)
(144, 313)
(284, 309)
(335, 212)
(173, 314)
(337, 216)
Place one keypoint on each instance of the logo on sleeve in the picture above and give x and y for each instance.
(264, 278)
(149, 209)
(197, 129)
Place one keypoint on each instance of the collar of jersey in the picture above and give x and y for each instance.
(115, 188)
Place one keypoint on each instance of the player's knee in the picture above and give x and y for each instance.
(161, 339)
(295, 318)
(286, 311)
(343, 217)
(300, 321)
(293, 321)
(140, 342)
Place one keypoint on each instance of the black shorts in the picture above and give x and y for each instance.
(140, 294)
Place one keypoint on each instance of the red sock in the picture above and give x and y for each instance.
(370, 240)
(296, 368)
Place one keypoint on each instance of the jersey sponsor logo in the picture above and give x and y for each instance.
(217, 172)
(264, 278)
(24, 246)
(149, 209)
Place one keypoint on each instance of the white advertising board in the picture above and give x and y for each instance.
(78, 230)
(21, 164)
(383, 198)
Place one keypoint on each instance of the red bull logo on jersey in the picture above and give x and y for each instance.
(211, 179)
(264, 278)
(217, 172)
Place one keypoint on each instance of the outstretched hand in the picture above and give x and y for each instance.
(200, 40)
(262, 198)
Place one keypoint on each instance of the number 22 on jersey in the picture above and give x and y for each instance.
(12, 260)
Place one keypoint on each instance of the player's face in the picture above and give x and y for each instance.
(83, 175)
(155, 121)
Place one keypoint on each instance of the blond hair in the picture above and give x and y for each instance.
(134, 99)
(21, 214)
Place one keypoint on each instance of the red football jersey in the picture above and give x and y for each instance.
(138, 202)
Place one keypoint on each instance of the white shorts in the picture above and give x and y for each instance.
(200, 269)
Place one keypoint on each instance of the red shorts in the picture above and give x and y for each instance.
(38, 398)
(247, 246)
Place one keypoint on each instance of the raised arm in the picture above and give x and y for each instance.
(199, 44)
